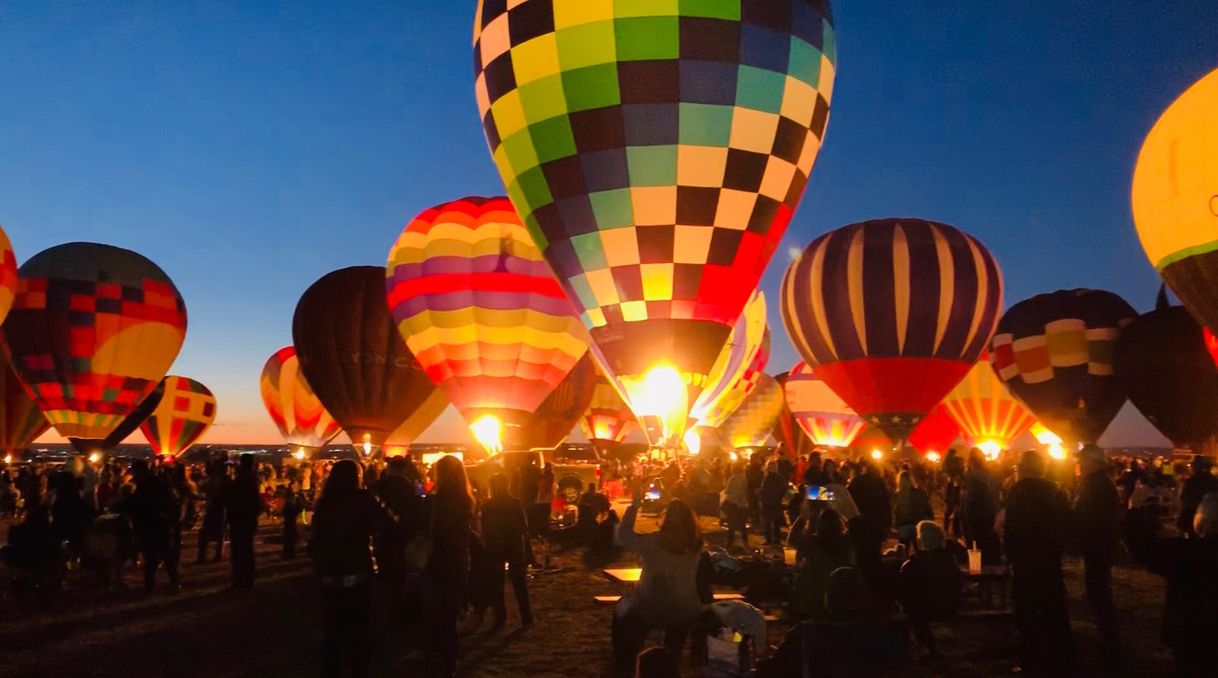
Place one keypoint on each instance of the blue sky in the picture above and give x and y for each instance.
(250, 150)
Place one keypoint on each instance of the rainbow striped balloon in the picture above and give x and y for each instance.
(292, 404)
(481, 310)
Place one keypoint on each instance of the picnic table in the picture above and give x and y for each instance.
(631, 575)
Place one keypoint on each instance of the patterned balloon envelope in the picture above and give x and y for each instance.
(353, 357)
(822, 414)
(20, 419)
(751, 423)
(561, 411)
(293, 406)
(742, 357)
(482, 311)
(8, 275)
(1162, 363)
(93, 330)
(186, 411)
(937, 432)
(892, 314)
(1054, 352)
(1175, 198)
(787, 430)
(608, 418)
(656, 151)
(985, 409)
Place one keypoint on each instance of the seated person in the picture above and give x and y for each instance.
(930, 583)
(819, 554)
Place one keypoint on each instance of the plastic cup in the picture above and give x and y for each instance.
(974, 561)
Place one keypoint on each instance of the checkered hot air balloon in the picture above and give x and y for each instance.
(608, 418)
(820, 413)
(1175, 198)
(353, 357)
(1054, 352)
(751, 423)
(985, 409)
(482, 311)
(292, 405)
(892, 314)
(20, 419)
(186, 411)
(93, 330)
(656, 151)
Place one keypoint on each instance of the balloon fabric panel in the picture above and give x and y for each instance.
(20, 419)
(609, 418)
(93, 330)
(1055, 353)
(187, 409)
(936, 432)
(353, 357)
(292, 405)
(985, 409)
(8, 275)
(739, 355)
(481, 309)
(560, 411)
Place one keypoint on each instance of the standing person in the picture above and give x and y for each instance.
(243, 504)
(1188, 564)
(151, 511)
(735, 504)
(346, 518)
(293, 506)
(1200, 482)
(397, 493)
(770, 495)
(213, 510)
(870, 528)
(754, 474)
(980, 508)
(449, 519)
(505, 530)
(667, 595)
(182, 492)
(1096, 523)
(953, 492)
(912, 506)
(1034, 527)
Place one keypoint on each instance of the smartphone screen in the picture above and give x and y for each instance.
(820, 493)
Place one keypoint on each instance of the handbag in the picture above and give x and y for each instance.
(421, 546)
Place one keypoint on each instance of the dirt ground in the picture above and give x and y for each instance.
(273, 631)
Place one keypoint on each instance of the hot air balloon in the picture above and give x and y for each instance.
(187, 409)
(936, 433)
(20, 419)
(8, 275)
(751, 423)
(93, 330)
(741, 354)
(608, 418)
(559, 413)
(1175, 198)
(1054, 352)
(787, 431)
(352, 355)
(1211, 343)
(986, 411)
(891, 314)
(656, 154)
(1162, 363)
(824, 417)
(483, 313)
(294, 407)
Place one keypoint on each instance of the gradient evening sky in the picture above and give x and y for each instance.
(249, 150)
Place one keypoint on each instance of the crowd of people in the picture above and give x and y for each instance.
(880, 550)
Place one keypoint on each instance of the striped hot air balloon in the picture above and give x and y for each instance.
(608, 418)
(293, 406)
(822, 414)
(746, 350)
(481, 309)
(751, 423)
(187, 409)
(1175, 198)
(656, 151)
(92, 332)
(1055, 352)
(892, 314)
(986, 411)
